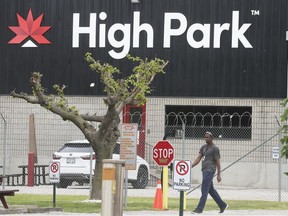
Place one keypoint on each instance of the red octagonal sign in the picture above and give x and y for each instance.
(163, 153)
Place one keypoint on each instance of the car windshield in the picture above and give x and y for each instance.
(76, 147)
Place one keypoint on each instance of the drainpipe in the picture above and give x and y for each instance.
(4, 149)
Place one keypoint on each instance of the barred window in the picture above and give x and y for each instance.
(226, 122)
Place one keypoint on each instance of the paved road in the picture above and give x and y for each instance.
(170, 213)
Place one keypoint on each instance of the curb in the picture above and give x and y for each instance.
(29, 210)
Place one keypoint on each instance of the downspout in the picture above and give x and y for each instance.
(287, 96)
(4, 149)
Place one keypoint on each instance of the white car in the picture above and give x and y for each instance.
(75, 165)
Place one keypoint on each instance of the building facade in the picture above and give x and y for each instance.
(225, 58)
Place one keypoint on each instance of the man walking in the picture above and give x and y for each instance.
(210, 156)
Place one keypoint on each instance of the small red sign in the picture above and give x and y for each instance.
(163, 153)
(54, 167)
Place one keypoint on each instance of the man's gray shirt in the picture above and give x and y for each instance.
(210, 156)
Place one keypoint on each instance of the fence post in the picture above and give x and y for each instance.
(279, 168)
(4, 149)
(31, 160)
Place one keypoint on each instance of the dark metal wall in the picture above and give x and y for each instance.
(259, 71)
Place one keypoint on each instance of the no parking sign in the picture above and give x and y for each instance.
(182, 175)
(54, 172)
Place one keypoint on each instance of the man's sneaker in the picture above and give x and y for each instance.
(223, 209)
(196, 211)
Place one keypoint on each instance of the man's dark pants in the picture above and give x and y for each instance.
(208, 187)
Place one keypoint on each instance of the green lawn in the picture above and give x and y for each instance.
(67, 203)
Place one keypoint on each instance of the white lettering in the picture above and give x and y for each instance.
(168, 32)
(155, 153)
(137, 28)
(170, 152)
(102, 30)
(77, 30)
(218, 29)
(163, 153)
(124, 43)
(118, 35)
(205, 41)
(238, 33)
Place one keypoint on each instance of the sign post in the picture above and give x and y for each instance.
(128, 150)
(163, 155)
(54, 176)
(182, 179)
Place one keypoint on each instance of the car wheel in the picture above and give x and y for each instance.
(63, 183)
(142, 179)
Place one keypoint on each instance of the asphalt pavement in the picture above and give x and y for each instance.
(169, 213)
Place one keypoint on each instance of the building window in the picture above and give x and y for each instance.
(226, 122)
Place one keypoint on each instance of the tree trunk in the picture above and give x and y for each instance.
(102, 153)
(103, 143)
(96, 192)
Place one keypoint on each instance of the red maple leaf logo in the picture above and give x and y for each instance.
(29, 27)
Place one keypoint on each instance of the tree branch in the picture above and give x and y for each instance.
(29, 99)
(93, 118)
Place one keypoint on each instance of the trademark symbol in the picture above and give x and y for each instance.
(255, 12)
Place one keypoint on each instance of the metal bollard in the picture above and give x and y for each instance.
(112, 187)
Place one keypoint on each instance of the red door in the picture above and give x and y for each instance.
(137, 114)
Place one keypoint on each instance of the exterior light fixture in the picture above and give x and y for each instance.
(135, 1)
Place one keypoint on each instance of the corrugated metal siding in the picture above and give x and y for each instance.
(203, 72)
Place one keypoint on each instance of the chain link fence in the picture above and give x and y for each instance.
(249, 161)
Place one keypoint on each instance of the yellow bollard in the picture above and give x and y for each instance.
(165, 187)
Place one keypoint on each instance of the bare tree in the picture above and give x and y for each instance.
(120, 92)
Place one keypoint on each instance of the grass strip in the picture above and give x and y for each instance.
(82, 203)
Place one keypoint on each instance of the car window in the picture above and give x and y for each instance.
(76, 148)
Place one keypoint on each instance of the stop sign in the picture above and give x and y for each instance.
(163, 153)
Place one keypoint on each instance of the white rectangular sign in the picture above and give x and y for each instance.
(275, 152)
(182, 175)
(54, 172)
(128, 145)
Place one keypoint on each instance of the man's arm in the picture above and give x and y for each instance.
(218, 165)
(197, 160)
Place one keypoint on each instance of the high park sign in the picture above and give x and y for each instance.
(238, 46)
(98, 39)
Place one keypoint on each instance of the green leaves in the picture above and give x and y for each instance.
(133, 88)
(143, 74)
(106, 72)
(284, 129)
